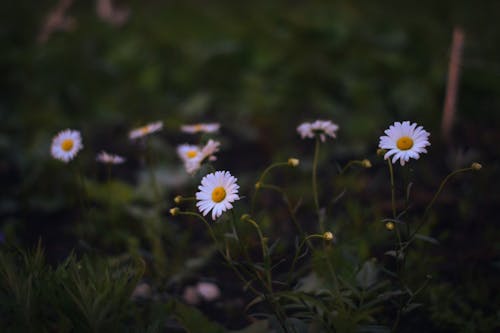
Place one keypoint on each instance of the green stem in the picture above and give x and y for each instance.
(110, 193)
(152, 175)
(398, 246)
(393, 189)
(297, 253)
(334, 276)
(315, 183)
(265, 253)
(290, 210)
(228, 260)
(350, 164)
(261, 179)
(436, 195)
(280, 314)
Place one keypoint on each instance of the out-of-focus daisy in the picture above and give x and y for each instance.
(208, 291)
(404, 141)
(145, 130)
(217, 191)
(66, 144)
(193, 156)
(107, 158)
(196, 128)
(323, 128)
(210, 148)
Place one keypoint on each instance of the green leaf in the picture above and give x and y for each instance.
(427, 239)
(367, 276)
(412, 306)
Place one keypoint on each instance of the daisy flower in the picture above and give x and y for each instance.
(323, 128)
(196, 128)
(404, 141)
(107, 158)
(190, 155)
(145, 130)
(66, 144)
(217, 191)
(193, 156)
(210, 149)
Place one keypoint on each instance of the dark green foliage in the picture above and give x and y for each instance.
(77, 295)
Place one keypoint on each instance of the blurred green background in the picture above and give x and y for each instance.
(260, 69)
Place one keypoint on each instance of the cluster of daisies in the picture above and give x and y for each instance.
(218, 190)
(67, 143)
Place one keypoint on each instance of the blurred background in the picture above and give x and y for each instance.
(260, 69)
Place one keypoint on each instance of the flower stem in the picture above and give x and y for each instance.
(265, 253)
(297, 253)
(152, 175)
(217, 244)
(436, 195)
(315, 184)
(290, 210)
(261, 179)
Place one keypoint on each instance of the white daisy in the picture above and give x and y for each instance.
(196, 128)
(404, 141)
(66, 144)
(107, 158)
(210, 148)
(145, 130)
(217, 191)
(323, 128)
(193, 156)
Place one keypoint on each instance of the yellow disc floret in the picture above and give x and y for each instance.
(67, 145)
(218, 194)
(404, 143)
(191, 153)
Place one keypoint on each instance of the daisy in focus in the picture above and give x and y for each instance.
(217, 192)
(66, 144)
(107, 158)
(145, 130)
(196, 128)
(193, 156)
(323, 128)
(404, 141)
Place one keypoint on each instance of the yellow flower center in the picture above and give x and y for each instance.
(144, 130)
(198, 127)
(191, 153)
(218, 194)
(67, 144)
(404, 143)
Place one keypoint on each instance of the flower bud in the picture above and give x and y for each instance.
(476, 166)
(178, 199)
(258, 185)
(390, 226)
(245, 217)
(328, 236)
(174, 211)
(366, 163)
(381, 152)
(293, 162)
